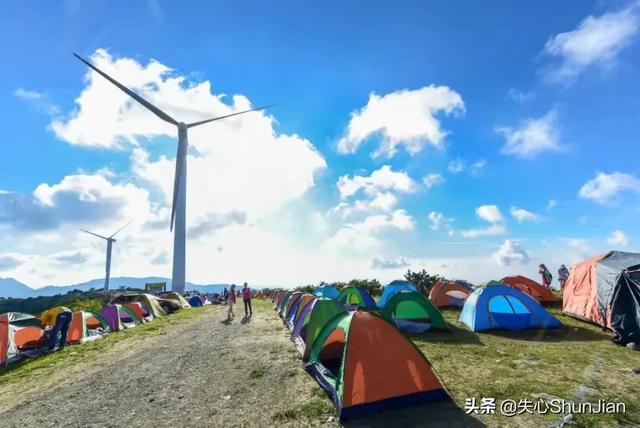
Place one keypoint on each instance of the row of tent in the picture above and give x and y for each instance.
(354, 348)
(357, 356)
(514, 303)
(23, 335)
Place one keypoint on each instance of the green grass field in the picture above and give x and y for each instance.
(577, 362)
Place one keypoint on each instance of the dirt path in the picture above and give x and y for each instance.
(197, 372)
(204, 373)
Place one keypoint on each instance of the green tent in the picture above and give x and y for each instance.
(411, 312)
(356, 297)
(308, 329)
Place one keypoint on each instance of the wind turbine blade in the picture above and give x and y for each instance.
(180, 155)
(155, 110)
(202, 122)
(118, 231)
(95, 234)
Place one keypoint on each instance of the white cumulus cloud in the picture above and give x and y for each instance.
(405, 118)
(522, 215)
(618, 237)
(433, 179)
(598, 40)
(510, 252)
(365, 235)
(490, 213)
(380, 180)
(603, 187)
(531, 137)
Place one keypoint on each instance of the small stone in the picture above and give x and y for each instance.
(226, 397)
(546, 397)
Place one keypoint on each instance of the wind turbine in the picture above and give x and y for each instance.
(179, 204)
(110, 242)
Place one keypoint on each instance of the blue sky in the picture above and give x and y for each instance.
(505, 107)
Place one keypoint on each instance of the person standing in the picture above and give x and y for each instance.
(546, 275)
(246, 298)
(231, 300)
(563, 274)
(61, 327)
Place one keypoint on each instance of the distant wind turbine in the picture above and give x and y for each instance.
(179, 204)
(110, 242)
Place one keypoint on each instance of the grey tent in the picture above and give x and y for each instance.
(605, 290)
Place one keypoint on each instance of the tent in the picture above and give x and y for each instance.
(538, 291)
(450, 293)
(285, 302)
(356, 297)
(393, 288)
(282, 301)
(86, 326)
(605, 290)
(119, 317)
(195, 301)
(141, 313)
(328, 291)
(150, 303)
(498, 306)
(293, 300)
(311, 321)
(292, 307)
(306, 299)
(293, 311)
(276, 297)
(365, 365)
(172, 295)
(19, 333)
(410, 311)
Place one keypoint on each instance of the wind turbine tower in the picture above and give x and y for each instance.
(110, 240)
(179, 204)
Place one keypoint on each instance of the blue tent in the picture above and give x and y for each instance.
(393, 288)
(498, 306)
(328, 291)
(195, 301)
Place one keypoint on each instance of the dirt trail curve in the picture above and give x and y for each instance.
(203, 373)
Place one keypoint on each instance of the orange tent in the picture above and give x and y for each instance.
(85, 327)
(539, 292)
(138, 310)
(449, 293)
(17, 332)
(365, 364)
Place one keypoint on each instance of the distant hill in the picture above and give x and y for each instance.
(9, 287)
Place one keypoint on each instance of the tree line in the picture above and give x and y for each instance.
(423, 281)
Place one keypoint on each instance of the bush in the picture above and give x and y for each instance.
(422, 280)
